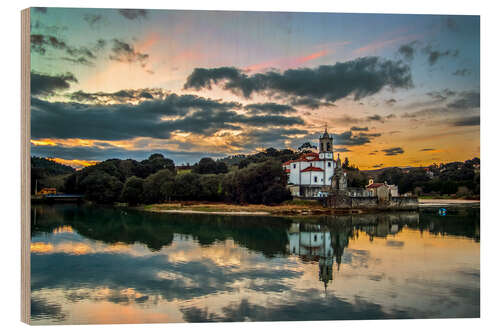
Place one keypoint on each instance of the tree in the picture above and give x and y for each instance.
(345, 165)
(187, 186)
(248, 185)
(133, 191)
(243, 164)
(306, 146)
(205, 166)
(220, 167)
(211, 188)
(275, 194)
(101, 187)
(153, 186)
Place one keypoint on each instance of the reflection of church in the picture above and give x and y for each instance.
(318, 243)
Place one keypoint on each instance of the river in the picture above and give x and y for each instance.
(96, 265)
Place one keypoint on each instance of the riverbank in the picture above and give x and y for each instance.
(286, 209)
(447, 202)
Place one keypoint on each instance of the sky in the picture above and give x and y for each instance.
(393, 90)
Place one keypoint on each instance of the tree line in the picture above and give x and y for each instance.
(156, 180)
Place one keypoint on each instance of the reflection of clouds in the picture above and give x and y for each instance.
(227, 281)
(41, 309)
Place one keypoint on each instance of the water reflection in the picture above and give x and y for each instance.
(105, 265)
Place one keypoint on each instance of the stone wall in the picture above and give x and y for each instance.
(339, 201)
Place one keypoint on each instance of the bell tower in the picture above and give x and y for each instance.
(326, 145)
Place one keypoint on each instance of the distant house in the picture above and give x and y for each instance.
(47, 190)
(382, 190)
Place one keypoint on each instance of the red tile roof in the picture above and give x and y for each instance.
(311, 168)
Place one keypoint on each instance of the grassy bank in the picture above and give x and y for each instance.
(287, 208)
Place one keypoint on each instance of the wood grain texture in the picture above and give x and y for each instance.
(25, 167)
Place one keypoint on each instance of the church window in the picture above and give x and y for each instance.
(329, 164)
(315, 237)
(294, 166)
(310, 164)
(315, 179)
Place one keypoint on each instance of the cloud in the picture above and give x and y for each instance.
(133, 14)
(427, 149)
(348, 139)
(48, 85)
(269, 108)
(84, 55)
(360, 77)
(467, 121)
(342, 150)
(434, 55)
(92, 19)
(152, 118)
(393, 151)
(124, 52)
(441, 95)
(375, 117)
(467, 100)
(311, 103)
(408, 51)
(463, 102)
(462, 72)
(390, 102)
(377, 165)
(354, 128)
(132, 96)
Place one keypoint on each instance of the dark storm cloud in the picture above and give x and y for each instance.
(427, 149)
(269, 108)
(434, 55)
(133, 14)
(47, 85)
(467, 121)
(408, 51)
(462, 72)
(348, 139)
(354, 128)
(103, 151)
(124, 52)
(152, 118)
(393, 151)
(360, 77)
(84, 55)
(121, 96)
(342, 150)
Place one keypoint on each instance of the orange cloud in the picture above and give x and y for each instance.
(77, 164)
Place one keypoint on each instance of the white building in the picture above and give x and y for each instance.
(313, 170)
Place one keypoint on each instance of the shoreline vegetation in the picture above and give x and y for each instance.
(290, 208)
(237, 184)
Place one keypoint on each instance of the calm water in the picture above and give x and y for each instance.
(105, 265)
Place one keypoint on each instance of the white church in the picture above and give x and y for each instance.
(311, 175)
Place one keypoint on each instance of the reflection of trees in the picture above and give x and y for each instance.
(458, 222)
(267, 235)
(111, 225)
